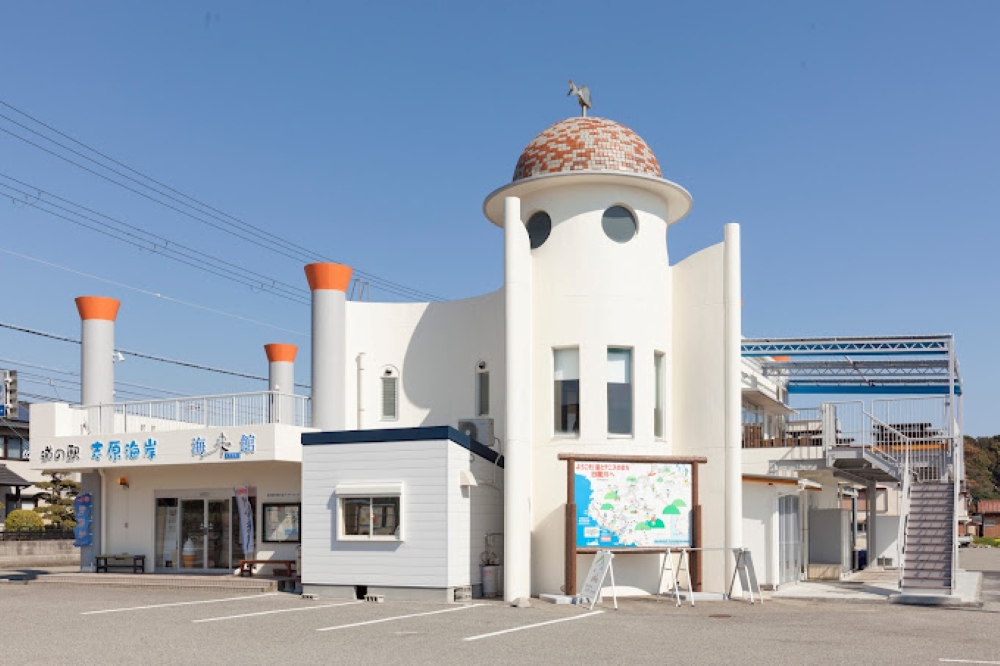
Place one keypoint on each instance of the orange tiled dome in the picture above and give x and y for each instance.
(586, 144)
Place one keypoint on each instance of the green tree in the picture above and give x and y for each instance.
(22, 520)
(57, 496)
(982, 467)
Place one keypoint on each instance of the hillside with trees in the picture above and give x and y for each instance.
(982, 466)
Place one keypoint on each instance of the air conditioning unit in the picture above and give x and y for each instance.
(480, 430)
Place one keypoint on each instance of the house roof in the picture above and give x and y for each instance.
(989, 506)
(9, 478)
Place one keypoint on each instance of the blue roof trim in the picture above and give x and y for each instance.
(403, 435)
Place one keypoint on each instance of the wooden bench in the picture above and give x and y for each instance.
(124, 561)
(283, 568)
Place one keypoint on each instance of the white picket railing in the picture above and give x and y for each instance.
(237, 409)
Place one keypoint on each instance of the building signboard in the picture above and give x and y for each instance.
(203, 446)
(632, 504)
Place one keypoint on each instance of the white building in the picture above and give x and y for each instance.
(595, 350)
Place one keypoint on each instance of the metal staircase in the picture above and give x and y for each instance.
(928, 549)
(910, 444)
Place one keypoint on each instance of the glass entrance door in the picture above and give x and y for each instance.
(205, 541)
(193, 534)
(217, 534)
(198, 534)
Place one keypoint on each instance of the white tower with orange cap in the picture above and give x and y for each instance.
(97, 387)
(281, 379)
(328, 283)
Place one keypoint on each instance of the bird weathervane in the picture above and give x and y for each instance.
(582, 95)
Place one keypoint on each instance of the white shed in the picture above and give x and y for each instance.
(407, 513)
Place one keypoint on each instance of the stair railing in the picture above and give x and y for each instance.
(904, 518)
(957, 474)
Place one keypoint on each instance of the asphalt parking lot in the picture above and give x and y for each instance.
(90, 625)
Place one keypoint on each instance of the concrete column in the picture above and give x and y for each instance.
(328, 283)
(517, 426)
(97, 387)
(281, 381)
(871, 495)
(732, 305)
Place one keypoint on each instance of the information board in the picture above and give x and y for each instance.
(632, 505)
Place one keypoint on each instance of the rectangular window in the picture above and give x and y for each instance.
(370, 517)
(390, 398)
(483, 393)
(281, 522)
(13, 449)
(567, 390)
(659, 373)
(619, 391)
(24, 449)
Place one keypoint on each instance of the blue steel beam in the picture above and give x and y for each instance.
(895, 389)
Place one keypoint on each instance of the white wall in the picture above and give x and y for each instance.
(436, 347)
(591, 292)
(699, 392)
(760, 530)
(473, 512)
(420, 559)
(131, 512)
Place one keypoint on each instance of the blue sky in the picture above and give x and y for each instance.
(855, 142)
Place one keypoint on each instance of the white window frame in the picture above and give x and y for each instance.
(567, 434)
(660, 395)
(370, 492)
(482, 368)
(631, 384)
(389, 373)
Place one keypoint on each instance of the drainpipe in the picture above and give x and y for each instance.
(360, 359)
(102, 529)
(281, 380)
(328, 283)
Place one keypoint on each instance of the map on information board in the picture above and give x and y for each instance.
(632, 505)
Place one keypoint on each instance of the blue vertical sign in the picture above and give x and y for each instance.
(83, 509)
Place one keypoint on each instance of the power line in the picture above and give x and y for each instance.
(71, 373)
(150, 357)
(151, 293)
(155, 243)
(233, 225)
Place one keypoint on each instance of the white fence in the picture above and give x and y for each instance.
(238, 409)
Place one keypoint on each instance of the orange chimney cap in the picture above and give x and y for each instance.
(328, 276)
(97, 307)
(279, 352)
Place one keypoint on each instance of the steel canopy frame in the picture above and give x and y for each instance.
(910, 365)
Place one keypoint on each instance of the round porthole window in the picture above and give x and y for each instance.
(539, 227)
(619, 224)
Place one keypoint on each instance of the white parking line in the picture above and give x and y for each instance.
(280, 610)
(398, 617)
(179, 603)
(532, 626)
(967, 661)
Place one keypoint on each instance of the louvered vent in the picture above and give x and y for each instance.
(390, 398)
